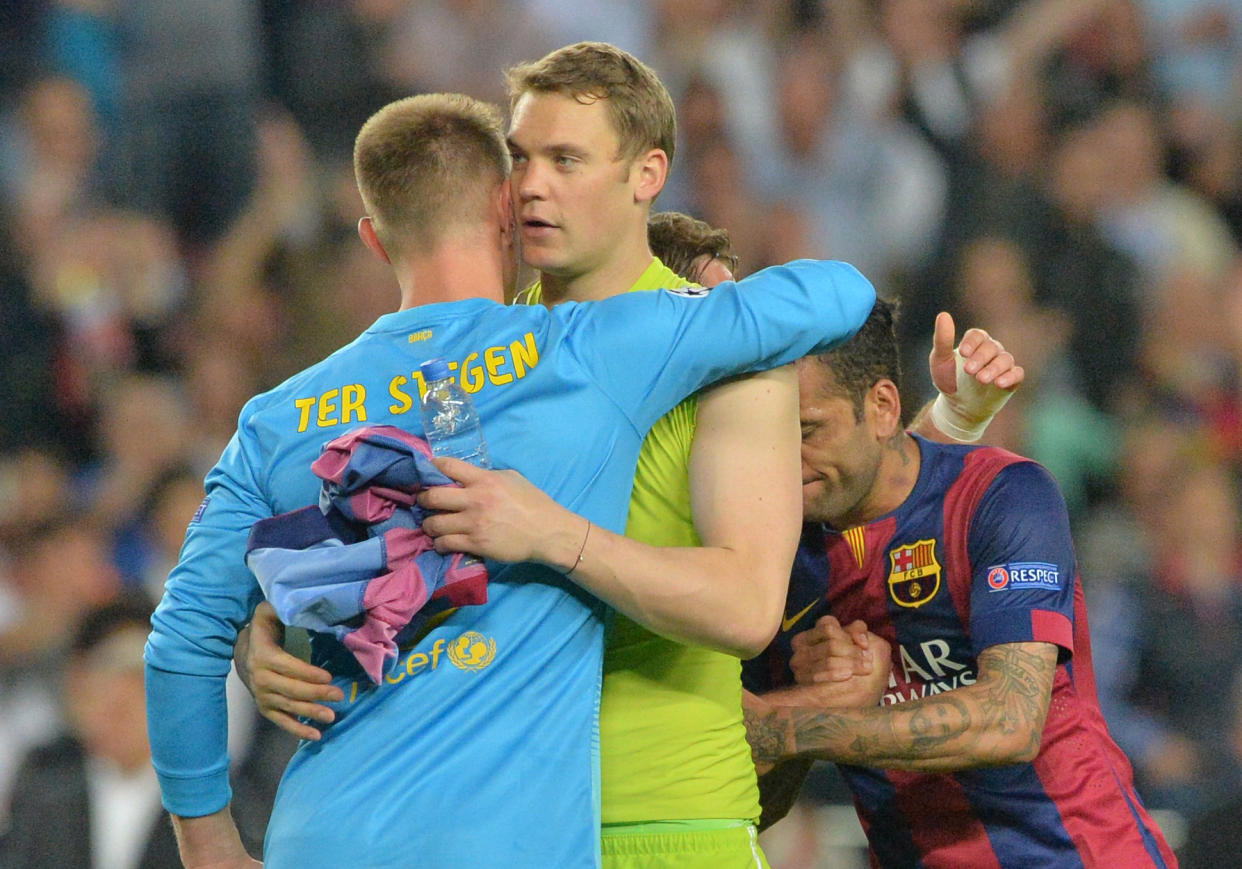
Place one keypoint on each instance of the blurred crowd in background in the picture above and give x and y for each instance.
(177, 216)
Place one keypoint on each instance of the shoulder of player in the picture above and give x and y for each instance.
(965, 476)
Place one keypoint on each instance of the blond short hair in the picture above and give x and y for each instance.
(638, 103)
(428, 163)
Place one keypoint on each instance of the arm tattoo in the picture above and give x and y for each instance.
(939, 720)
(768, 735)
(1019, 682)
(965, 727)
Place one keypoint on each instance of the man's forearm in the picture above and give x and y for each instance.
(745, 496)
(996, 721)
(701, 595)
(211, 842)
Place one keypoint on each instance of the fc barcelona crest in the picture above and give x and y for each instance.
(915, 575)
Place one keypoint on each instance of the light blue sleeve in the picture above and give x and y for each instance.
(649, 350)
(209, 596)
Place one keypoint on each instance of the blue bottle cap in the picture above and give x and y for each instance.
(434, 369)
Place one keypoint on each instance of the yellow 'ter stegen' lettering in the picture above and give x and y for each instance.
(495, 366)
(521, 356)
(352, 407)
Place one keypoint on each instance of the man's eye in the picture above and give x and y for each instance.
(518, 158)
(565, 160)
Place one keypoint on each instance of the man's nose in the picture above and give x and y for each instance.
(531, 182)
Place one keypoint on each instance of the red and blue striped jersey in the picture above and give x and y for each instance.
(979, 554)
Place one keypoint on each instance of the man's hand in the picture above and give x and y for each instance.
(284, 686)
(983, 358)
(500, 515)
(974, 382)
(837, 667)
(829, 652)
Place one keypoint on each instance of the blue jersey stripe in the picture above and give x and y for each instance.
(888, 831)
(1023, 824)
(1149, 840)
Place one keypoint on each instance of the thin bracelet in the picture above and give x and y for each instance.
(581, 550)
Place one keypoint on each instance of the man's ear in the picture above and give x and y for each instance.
(884, 408)
(503, 201)
(366, 232)
(652, 169)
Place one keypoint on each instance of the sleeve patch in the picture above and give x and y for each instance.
(198, 514)
(690, 292)
(1023, 575)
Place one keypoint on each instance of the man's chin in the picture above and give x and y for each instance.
(816, 506)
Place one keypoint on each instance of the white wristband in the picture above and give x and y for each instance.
(965, 414)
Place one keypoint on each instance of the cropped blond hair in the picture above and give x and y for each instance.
(638, 103)
(427, 164)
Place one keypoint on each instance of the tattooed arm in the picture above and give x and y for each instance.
(852, 668)
(769, 737)
(998, 720)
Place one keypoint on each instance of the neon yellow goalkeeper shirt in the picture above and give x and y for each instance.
(672, 742)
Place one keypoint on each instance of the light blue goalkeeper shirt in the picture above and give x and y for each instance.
(481, 747)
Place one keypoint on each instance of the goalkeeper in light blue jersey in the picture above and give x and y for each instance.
(480, 747)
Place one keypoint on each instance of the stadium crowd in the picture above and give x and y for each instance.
(177, 234)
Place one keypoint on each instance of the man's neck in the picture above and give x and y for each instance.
(450, 273)
(612, 278)
(898, 473)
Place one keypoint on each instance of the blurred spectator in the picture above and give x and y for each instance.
(440, 45)
(1082, 274)
(90, 797)
(303, 47)
(1206, 146)
(1172, 637)
(1196, 48)
(1050, 419)
(1165, 227)
(191, 80)
(144, 432)
(113, 280)
(35, 489)
(147, 546)
(30, 337)
(84, 45)
(1215, 838)
(59, 571)
(871, 191)
(50, 161)
(1106, 60)
(218, 381)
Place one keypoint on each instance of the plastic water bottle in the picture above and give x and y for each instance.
(450, 420)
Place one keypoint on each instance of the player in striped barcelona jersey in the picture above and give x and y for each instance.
(954, 564)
